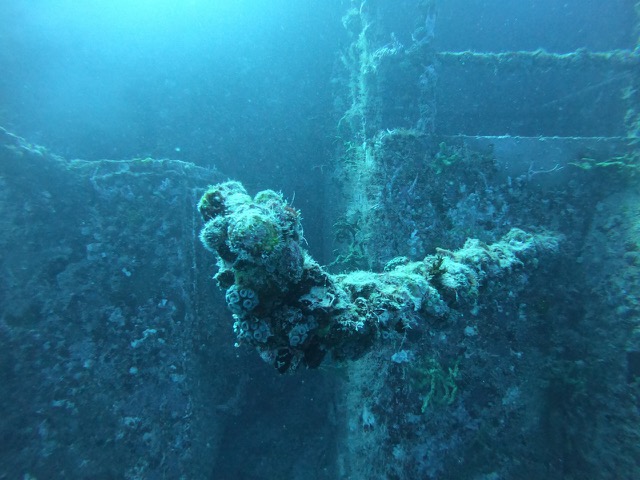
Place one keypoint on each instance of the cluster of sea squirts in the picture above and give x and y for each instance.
(260, 261)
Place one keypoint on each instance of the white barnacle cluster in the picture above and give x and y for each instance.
(241, 300)
(299, 333)
(251, 330)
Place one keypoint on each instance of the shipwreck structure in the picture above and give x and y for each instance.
(473, 310)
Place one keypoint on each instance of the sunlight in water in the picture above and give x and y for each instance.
(148, 17)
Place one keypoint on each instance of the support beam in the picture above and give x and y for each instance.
(294, 312)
